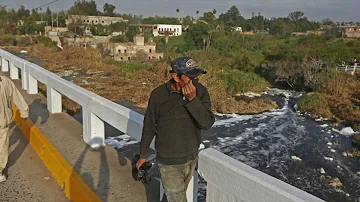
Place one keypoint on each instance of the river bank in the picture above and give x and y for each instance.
(130, 82)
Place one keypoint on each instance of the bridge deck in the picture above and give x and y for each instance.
(106, 171)
(29, 180)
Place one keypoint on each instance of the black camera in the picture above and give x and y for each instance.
(141, 174)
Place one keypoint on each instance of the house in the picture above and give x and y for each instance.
(172, 30)
(351, 31)
(127, 51)
(160, 29)
(237, 29)
(93, 20)
(81, 23)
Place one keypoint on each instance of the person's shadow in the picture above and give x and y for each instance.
(102, 187)
(18, 138)
(125, 155)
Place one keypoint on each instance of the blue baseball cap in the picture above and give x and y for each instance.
(187, 66)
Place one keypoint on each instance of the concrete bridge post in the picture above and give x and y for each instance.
(24, 76)
(93, 129)
(32, 85)
(54, 104)
(4, 65)
(193, 188)
(14, 73)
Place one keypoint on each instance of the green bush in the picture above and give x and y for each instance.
(126, 68)
(241, 82)
(118, 39)
(45, 41)
(313, 104)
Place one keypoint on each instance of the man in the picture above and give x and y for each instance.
(176, 113)
(8, 95)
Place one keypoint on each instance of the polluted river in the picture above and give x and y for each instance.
(306, 153)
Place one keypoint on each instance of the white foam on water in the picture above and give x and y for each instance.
(329, 158)
(231, 119)
(345, 131)
(120, 141)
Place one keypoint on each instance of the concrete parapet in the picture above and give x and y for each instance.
(230, 180)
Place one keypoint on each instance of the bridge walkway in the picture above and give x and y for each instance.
(106, 171)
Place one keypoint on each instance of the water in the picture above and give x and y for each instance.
(267, 143)
(33, 59)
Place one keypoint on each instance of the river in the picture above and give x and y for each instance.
(268, 141)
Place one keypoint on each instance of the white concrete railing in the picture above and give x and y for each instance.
(230, 180)
(96, 110)
(350, 68)
(219, 170)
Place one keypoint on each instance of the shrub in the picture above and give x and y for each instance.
(126, 68)
(241, 82)
(313, 104)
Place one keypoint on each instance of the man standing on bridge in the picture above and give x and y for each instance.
(177, 112)
(9, 95)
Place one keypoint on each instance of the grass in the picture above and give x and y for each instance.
(313, 104)
(133, 81)
(126, 68)
(337, 99)
(241, 82)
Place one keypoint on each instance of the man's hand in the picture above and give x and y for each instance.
(189, 91)
(140, 162)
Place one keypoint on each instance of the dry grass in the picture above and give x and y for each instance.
(333, 182)
(354, 153)
(135, 87)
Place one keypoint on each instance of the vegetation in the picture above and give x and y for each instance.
(237, 63)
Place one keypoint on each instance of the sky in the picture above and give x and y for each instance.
(337, 10)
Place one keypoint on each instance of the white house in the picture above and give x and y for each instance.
(173, 30)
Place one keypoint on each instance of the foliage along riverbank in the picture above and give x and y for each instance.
(133, 82)
(236, 64)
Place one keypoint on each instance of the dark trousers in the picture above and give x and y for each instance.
(176, 178)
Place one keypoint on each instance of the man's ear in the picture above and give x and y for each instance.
(175, 77)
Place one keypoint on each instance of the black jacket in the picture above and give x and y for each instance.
(176, 123)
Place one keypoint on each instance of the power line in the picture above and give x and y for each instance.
(46, 4)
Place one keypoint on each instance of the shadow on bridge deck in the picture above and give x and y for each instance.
(106, 171)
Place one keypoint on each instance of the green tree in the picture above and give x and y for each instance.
(35, 15)
(327, 21)
(48, 11)
(177, 10)
(210, 18)
(23, 13)
(118, 27)
(295, 16)
(281, 27)
(214, 11)
(83, 7)
(198, 36)
(188, 20)
(232, 18)
(109, 9)
(131, 32)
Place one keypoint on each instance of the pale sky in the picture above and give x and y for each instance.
(337, 10)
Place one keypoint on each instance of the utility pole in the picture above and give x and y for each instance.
(40, 7)
(54, 20)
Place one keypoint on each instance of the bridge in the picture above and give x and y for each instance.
(85, 168)
(348, 68)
